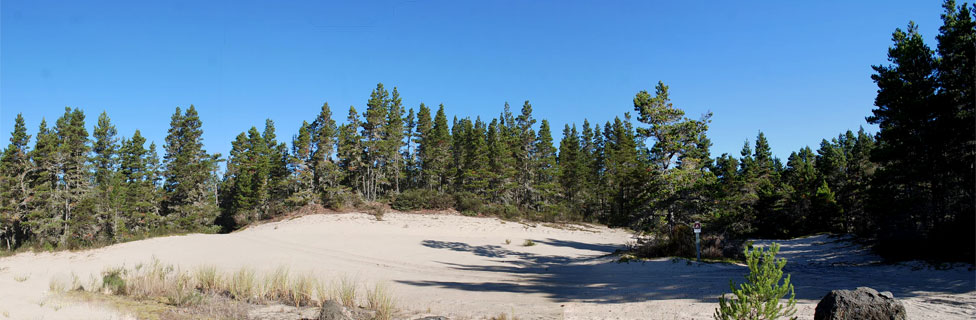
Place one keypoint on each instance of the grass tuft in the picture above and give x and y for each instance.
(380, 299)
(345, 291)
(243, 285)
(208, 280)
(528, 243)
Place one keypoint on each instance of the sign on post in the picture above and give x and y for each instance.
(697, 241)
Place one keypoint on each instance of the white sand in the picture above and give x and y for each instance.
(461, 267)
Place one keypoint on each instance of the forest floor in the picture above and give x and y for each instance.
(474, 268)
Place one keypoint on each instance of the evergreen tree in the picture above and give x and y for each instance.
(73, 192)
(300, 162)
(350, 153)
(571, 167)
(544, 157)
(438, 158)
(327, 176)
(424, 147)
(14, 185)
(524, 138)
(137, 170)
(500, 164)
(393, 141)
(677, 140)
(44, 220)
(108, 185)
(922, 194)
(189, 202)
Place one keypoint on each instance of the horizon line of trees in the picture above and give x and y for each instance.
(910, 186)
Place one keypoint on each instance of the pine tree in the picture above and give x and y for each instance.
(439, 152)
(108, 184)
(393, 141)
(302, 176)
(14, 185)
(524, 137)
(500, 164)
(326, 172)
(677, 154)
(138, 172)
(374, 144)
(74, 190)
(922, 194)
(424, 147)
(544, 158)
(572, 170)
(189, 200)
(44, 220)
(350, 153)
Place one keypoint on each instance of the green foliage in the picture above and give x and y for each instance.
(422, 199)
(759, 297)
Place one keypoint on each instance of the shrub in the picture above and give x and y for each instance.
(528, 243)
(467, 202)
(112, 279)
(759, 297)
(418, 199)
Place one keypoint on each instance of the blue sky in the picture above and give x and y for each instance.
(797, 70)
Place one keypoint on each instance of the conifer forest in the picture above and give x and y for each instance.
(907, 189)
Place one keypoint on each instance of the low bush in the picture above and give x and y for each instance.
(113, 281)
(422, 199)
(468, 203)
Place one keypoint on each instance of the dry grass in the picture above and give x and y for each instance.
(22, 278)
(276, 286)
(528, 243)
(169, 292)
(243, 285)
(380, 299)
(345, 290)
(301, 289)
(208, 280)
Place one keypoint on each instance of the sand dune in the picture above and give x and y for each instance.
(461, 267)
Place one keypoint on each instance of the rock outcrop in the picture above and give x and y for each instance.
(862, 303)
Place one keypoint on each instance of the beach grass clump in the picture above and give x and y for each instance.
(276, 285)
(380, 300)
(345, 290)
(181, 290)
(208, 280)
(528, 243)
(243, 285)
(301, 289)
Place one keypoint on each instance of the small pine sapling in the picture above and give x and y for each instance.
(759, 297)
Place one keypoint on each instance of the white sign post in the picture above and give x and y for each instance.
(697, 240)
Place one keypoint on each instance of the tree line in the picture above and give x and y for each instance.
(908, 186)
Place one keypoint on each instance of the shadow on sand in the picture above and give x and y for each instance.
(598, 278)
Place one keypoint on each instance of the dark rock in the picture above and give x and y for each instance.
(862, 303)
(332, 310)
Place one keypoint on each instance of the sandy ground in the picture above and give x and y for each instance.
(461, 267)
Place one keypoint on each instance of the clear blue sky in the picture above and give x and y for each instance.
(797, 70)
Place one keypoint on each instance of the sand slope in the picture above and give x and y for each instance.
(461, 267)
